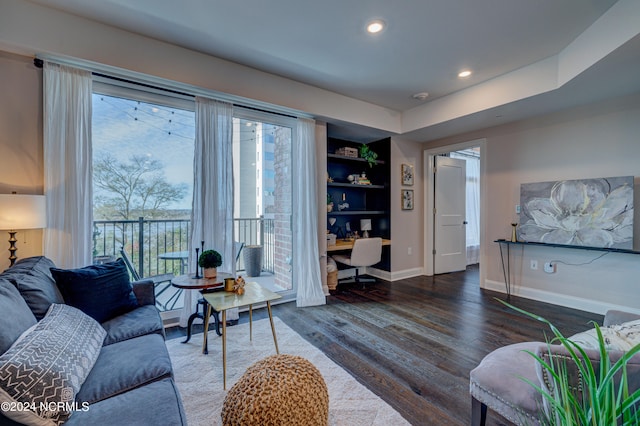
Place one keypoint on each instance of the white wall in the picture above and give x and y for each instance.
(406, 225)
(599, 140)
(21, 159)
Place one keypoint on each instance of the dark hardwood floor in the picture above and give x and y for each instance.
(413, 342)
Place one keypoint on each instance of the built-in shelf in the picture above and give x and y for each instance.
(356, 212)
(344, 157)
(368, 202)
(606, 249)
(354, 185)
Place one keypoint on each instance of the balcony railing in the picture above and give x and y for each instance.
(145, 240)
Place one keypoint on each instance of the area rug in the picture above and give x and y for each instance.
(199, 377)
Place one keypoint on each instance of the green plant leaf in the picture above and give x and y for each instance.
(605, 401)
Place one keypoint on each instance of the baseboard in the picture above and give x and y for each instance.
(395, 275)
(568, 301)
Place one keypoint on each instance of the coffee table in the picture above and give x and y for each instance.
(222, 300)
(187, 282)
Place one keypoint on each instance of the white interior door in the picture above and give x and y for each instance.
(450, 253)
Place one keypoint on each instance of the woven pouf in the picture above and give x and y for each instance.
(278, 390)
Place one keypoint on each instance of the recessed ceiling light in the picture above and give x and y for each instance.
(421, 96)
(375, 26)
(464, 74)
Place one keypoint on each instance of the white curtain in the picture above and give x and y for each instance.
(306, 264)
(212, 212)
(67, 156)
(473, 206)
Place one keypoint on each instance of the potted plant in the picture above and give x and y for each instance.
(209, 260)
(603, 396)
(368, 154)
(329, 203)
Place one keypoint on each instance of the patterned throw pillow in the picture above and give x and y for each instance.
(42, 372)
(619, 337)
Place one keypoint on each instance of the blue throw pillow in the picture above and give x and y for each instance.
(100, 291)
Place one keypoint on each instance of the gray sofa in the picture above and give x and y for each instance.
(498, 382)
(131, 379)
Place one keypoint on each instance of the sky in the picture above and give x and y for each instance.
(124, 128)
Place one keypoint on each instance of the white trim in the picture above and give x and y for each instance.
(568, 301)
(428, 159)
(378, 273)
(381, 274)
(395, 275)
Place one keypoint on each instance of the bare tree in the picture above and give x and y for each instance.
(134, 188)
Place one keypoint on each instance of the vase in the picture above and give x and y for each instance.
(210, 272)
(229, 284)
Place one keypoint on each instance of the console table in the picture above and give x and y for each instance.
(506, 266)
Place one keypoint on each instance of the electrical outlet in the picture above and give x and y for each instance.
(409, 251)
(550, 268)
(534, 264)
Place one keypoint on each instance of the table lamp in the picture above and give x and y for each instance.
(365, 227)
(18, 211)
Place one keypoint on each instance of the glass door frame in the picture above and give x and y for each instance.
(282, 121)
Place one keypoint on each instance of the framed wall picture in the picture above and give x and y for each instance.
(407, 199)
(407, 174)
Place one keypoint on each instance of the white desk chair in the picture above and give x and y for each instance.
(365, 252)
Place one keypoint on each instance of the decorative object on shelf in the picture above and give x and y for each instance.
(210, 260)
(348, 235)
(514, 234)
(20, 211)
(347, 152)
(365, 227)
(344, 205)
(333, 229)
(329, 203)
(368, 154)
(360, 179)
(329, 178)
(363, 180)
(407, 174)
(407, 199)
(585, 212)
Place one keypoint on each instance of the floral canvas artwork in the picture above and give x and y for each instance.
(407, 199)
(586, 212)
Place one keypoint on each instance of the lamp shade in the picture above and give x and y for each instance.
(18, 211)
(365, 224)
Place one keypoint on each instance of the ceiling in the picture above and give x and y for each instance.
(324, 43)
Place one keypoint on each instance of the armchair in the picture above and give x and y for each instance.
(498, 382)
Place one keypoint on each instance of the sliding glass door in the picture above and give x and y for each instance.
(263, 195)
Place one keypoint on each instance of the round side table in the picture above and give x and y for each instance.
(187, 282)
